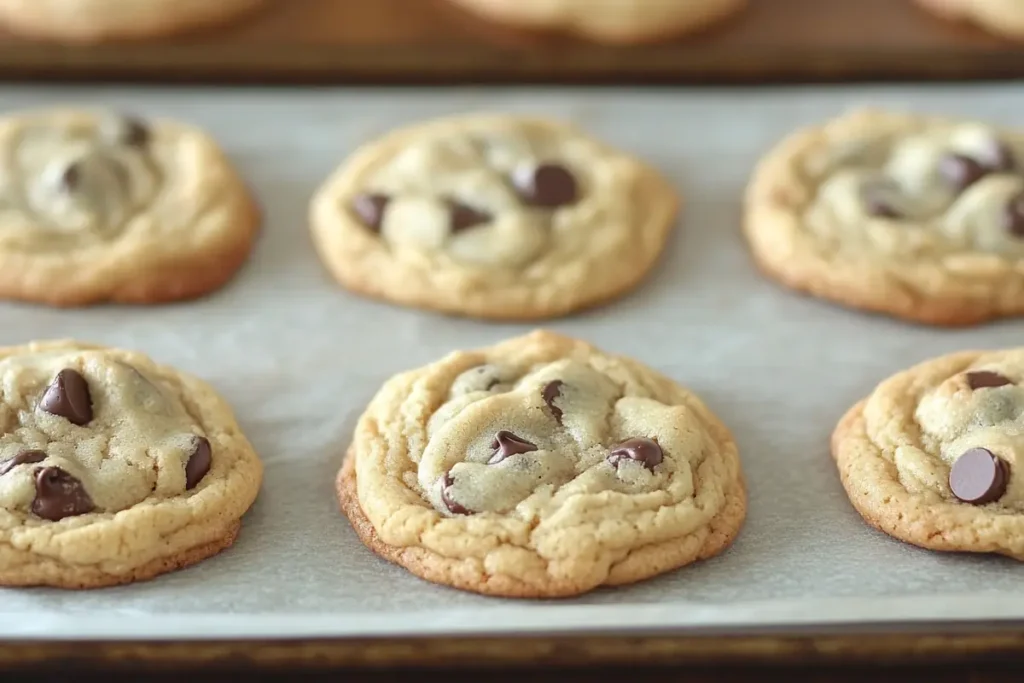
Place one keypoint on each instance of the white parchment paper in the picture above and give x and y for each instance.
(299, 357)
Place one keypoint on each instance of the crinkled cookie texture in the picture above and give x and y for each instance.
(930, 457)
(914, 216)
(102, 207)
(609, 21)
(492, 217)
(541, 467)
(92, 21)
(112, 468)
(1003, 17)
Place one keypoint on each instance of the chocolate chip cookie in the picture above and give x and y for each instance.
(1002, 17)
(930, 457)
(492, 217)
(113, 469)
(91, 21)
(609, 21)
(541, 467)
(104, 207)
(914, 216)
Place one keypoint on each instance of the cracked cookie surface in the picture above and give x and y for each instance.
(98, 206)
(541, 466)
(611, 21)
(918, 217)
(113, 468)
(492, 217)
(1003, 17)
(930, 457)
(90, 21)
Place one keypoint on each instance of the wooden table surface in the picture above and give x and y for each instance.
(1000, 672)
(416, 41)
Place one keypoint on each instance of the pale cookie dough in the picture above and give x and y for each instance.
(607, 21)
(541, 467)
(918, 217)
(1002, 17)
(102, 207)
(113, 469)
(930, 457)
(493, 217)
(93, 21)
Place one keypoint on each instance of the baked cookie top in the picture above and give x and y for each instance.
(109, 461)
(1004, 17)
(918, 216)
(613, 21)
(101, 206)
(94, 21)
(931, 455)
(492, 216)
(542, 466)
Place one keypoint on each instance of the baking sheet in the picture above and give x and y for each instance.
(299, 358)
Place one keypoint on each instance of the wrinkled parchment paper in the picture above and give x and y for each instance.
(299, 358)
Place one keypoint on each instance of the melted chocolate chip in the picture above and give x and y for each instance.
(1013, 216)
(644, 451)
(23, 458)
(452, 506)
(551, 391)
(198, 463)
(134, 132)
(983, 379)
(546, 185)
(978, 477)
(997, 156)
(876, 200)
(71, 178)
(370, 209)
(68, 397)
(961, 171)
(59, 495)
(465, 217)
(507, 444)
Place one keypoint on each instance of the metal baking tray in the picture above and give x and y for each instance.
(299, 358)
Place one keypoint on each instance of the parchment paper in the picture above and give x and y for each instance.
(299, 357)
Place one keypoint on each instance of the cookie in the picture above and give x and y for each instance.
(541, 467)
(491, 216)
(93, 21)
(914, 216)
(609, 21)
(1002, 17)
(103, 207)
(930, 457)
(112, 468)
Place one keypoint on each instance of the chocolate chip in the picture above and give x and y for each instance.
(997, 156)
(961, 171)
(552, 391)
(978, 477)
(644, 451)
(198, 463)
(134, 132)
(546, 185)
(452, 506)
(23, 458)
(876, 200)
(59, 495)
(507, 444)
(465, 217)
(68, 397)
(983, 379)
(71, 178)
(370, 209)
(1013, 216)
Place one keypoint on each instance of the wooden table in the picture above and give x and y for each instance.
(426, 41)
